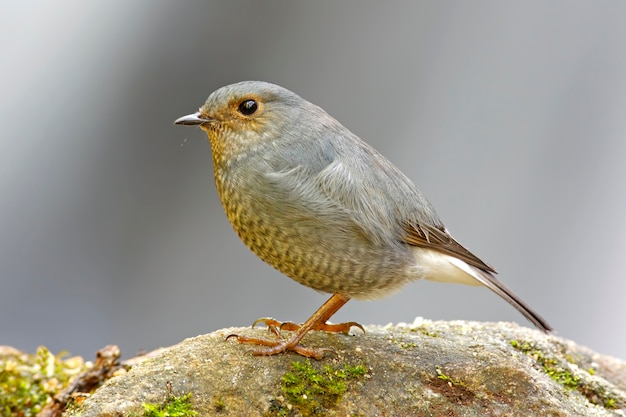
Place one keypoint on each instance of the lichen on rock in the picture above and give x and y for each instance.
(425, 368)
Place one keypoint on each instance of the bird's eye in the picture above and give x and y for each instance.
(248, 107)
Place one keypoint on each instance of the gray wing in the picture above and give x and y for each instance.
(346, 177)
(323, 167)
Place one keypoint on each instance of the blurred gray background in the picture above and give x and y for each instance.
(510, 117)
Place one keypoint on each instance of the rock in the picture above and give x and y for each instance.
(423, 369)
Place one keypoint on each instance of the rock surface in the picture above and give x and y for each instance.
(422, 369)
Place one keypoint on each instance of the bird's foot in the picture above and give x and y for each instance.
(281, 345)
(276, 326)
(316, 322)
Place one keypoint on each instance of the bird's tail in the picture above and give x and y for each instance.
(489, 281)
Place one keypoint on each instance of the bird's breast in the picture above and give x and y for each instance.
(322, 251)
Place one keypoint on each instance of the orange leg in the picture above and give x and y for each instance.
(316, 322)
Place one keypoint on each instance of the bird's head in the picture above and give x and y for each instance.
(241, 117)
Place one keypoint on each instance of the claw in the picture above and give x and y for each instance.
(273, 326)
(290, 326)
(268, 321)
(355, 324)
(339, 327)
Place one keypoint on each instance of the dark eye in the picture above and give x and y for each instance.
(248, 107)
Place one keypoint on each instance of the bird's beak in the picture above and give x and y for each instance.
(191, 119)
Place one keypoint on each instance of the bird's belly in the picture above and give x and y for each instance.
(322, 256)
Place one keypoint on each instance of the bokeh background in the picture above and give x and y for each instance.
(510, 117)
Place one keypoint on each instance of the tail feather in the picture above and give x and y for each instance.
(488, 280)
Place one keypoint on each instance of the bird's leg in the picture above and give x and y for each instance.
(316, 322)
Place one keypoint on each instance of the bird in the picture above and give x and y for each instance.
(314, 201)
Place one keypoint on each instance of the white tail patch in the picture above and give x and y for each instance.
(468, 269)
(436, 266)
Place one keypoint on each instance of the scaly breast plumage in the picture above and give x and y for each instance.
(311, 250)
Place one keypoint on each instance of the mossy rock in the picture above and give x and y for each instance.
(423, 369)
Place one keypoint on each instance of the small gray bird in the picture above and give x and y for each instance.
(314, 201)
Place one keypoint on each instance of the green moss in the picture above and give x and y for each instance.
(311, 391)
(423, 330)
(407, 345)
(412, 344)
(219, 405)
(551, 366)
(172, 407)
(448, 379)
(404, 344)
(277, 408)
(29, 381)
